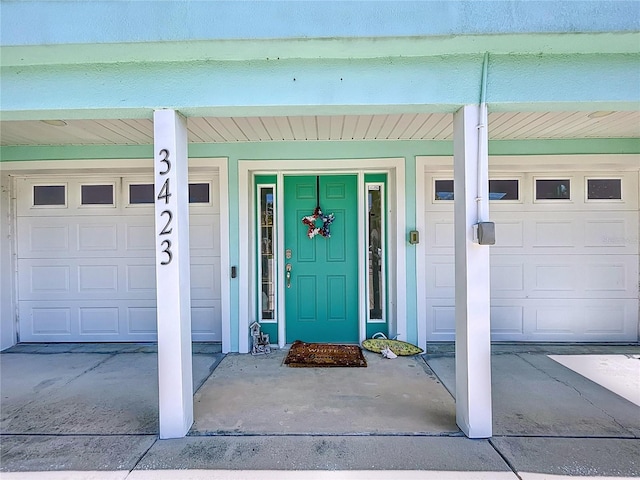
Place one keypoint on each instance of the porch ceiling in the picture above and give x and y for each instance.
(420, 126)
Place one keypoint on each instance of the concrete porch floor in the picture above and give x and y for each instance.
(90, 411)
(260, 395)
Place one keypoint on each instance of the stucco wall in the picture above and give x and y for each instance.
(46, 22)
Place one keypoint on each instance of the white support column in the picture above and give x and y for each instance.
(473, 341)
(173, 289)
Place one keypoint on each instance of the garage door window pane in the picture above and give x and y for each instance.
(198, 193)
(503, 189)
(97, 194)
(553, 190)
(140, 193)
(49, 195)
(604, 189)
(444, 189)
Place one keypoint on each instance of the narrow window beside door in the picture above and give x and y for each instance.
(266, 254)
(375, 252)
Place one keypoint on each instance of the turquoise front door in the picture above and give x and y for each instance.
(321, 288)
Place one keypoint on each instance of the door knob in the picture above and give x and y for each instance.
(288, 275)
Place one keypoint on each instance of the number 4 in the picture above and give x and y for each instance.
(164, 192)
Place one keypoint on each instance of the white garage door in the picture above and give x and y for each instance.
(86, 259)
(565, 264)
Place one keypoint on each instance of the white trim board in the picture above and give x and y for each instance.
(397, 223)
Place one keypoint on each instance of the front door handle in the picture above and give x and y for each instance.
(288, 275)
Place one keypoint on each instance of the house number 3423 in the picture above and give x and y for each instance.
(164, 195)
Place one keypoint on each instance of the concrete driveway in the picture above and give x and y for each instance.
(90, 411)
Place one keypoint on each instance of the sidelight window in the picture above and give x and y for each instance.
(266, 253)
(376, 252)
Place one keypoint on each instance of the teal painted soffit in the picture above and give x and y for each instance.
(320, 150)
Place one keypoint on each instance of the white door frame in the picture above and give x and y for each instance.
(247, 169)
(197, 166)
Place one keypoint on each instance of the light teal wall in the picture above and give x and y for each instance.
(72, 21)
(321, 87)
(320, 149)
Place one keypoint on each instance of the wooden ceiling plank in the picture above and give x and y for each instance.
(233, 129)
(297, 127)
(310, 127)
(140, 128)
(349, 127)
(548, 121)
(444, 128)
(425, 132)
(389, 124)
(195, 130)
(337, 121)
(362, 127)
(574, 126)
(259, 128)
(272, 128)
(617, 125)
(220, 129)
(403, 122)
(324, 127)
(517, 123)
(246, 128)
(373, 130)
(285, 128)
(120, 128)
(205, 131)
(414, 126)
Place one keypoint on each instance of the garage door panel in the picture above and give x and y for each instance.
(510, 234)
(47, 238)
(206, 320)
(102, 237)
(560, 270)
(441, 280)
(47, 280)
(46, 320)
(507, 278)
(507, 320)
(203, 237)
(608, 318)
(87, 273)
(441, 319)
(140, 236)
(141, 279)
(142, 321)
(588, 233)
(98, 280)
(205, 278)
(99, 320)
(553, 233)
(611, 277)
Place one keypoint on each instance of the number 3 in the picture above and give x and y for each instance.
(165, 152)
(167, 250)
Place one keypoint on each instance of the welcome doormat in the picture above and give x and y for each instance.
(303, 354)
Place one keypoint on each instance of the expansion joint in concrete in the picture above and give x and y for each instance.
(504, 459)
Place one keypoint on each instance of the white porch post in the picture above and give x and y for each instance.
(473, 342)
(173, 273)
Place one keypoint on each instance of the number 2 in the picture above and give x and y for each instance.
(166, 230)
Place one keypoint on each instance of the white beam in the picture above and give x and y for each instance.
(472, 295)
(173, 286)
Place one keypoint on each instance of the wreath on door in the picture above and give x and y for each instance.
(311, 221)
